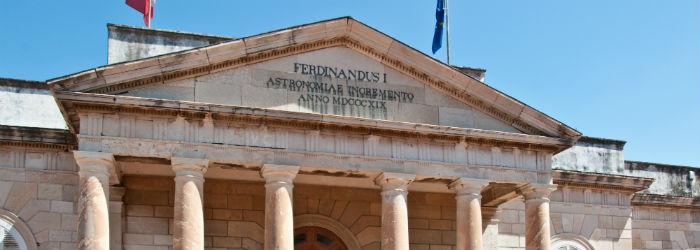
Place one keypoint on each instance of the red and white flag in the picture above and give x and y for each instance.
(145, 7)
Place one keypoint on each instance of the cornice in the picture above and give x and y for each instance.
(658, 200)
(600, 181)
(42, 138)
(347, 32)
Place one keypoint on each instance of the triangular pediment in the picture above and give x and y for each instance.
(336, 80)
(340, 67)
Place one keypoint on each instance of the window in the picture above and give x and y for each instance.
(10, 238)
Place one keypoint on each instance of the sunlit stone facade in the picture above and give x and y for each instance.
(330, 135)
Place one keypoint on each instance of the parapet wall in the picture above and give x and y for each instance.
(605, 156)
(127, 43)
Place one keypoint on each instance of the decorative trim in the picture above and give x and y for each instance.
(568, 178)
(43, 138)
(315, 220)
(665, 201)
(21, 228)
(308, 121)
(38, 145)
(571, 238)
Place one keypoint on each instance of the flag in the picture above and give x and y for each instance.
(143, 6)
(439, 25)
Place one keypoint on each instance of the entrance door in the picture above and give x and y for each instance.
(316, 238)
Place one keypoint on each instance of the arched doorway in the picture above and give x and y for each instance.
(317, 238)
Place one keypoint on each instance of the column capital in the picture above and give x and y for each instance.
(390, 181)
(468, 186)
(535, 191)
(279, 173)
(97, 163)
(189, 166)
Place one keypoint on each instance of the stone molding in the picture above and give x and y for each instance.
(251, 156)
(21, 228)
(97, 163)
(87, 102)
(579, 179)
(468, 187)
(665, 201)
(43, 138)
(316, 220)
(536, 192)
(336, 32)
(189, 167)
(572, 238)
(394, 182)
(281, 174)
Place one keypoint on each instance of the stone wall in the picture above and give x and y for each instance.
(40, 187)
(601, 218)
(665, 228)
(234, 214)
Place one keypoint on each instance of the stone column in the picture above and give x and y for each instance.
(394, 210)
(537, 232)
(188, 233)
(93, 212)
(489, 223)
(279, 217)
(468, 198)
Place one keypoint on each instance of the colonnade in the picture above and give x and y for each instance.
(279, 224)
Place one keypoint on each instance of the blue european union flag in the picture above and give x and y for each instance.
(439, 25)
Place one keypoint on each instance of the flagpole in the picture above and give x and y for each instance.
(447, 32)
(150, 7)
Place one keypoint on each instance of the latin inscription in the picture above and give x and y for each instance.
(320, 95)
(339, 73)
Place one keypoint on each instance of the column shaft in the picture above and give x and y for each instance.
(394, 210)
(279, 217)
(93, 212)
(468, 198)
(189, 216)
(537, 231)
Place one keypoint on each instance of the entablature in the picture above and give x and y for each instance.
(77, 105)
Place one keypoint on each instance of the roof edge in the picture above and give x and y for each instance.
(598, 180)
(21, 83)
(177, 32)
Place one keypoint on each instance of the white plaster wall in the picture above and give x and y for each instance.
(591, 157)
(131, 43)
(29, 107)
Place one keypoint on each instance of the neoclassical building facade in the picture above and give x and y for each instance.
(329, 135)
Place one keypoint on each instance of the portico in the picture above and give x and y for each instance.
(237, 169)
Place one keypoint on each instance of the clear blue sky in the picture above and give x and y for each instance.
(623, 69)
